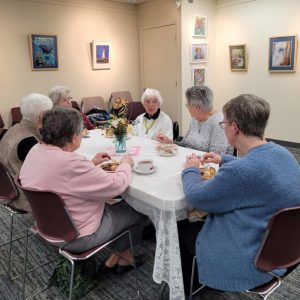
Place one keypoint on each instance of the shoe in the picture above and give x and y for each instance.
(103, 269)
(139, 260)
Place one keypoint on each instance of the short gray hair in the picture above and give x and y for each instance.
(33, 105)
(249, 112)
(60, 124)
(151, 93)
(200, 96)
(58, 93)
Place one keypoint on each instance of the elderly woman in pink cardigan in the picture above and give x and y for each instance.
(54, 166)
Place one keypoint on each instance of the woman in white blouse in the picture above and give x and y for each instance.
(152, 122)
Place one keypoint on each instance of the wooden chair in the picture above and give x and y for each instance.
(279, 249)
(16, 115)
(54, 224)
(88, 103)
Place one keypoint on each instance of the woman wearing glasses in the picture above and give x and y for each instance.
(204, 132)
(152, 122)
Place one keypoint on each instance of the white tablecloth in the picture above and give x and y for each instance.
(158, 195)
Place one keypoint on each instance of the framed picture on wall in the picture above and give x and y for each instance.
(198, 53)
(198, 76)
(200, 26)
(282, 53)
(238, 57)
(43, 52)
(101, 55)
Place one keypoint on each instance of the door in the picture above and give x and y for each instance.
(159, 63)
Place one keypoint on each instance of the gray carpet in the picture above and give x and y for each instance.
(110, 287)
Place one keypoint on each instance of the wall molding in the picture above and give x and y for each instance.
(225, 3)
(96, 5)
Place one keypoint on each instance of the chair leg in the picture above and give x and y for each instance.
(10, 242)
(134, 266)
(25, 266)
(71, 278)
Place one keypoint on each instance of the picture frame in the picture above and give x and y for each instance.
(238, 57)
(200, 26)
(282, 53)
(101, 55)
(43, 52)
(198, 75)
(198, 53)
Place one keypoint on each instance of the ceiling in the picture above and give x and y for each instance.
(130, 1)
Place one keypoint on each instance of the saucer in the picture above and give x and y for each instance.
(162, 153)
(139, 171)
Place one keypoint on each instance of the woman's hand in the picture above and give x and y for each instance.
(160, 137)
(100, 158)
(192, 161)
(127, 159)
(211, 157)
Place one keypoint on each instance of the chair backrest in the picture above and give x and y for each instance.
(122, 94)
(51, 216)
(8, 190)
(16, 115)
(280, 247)
(88, 103)
(134, 109)
(1, 122)
(75, 105)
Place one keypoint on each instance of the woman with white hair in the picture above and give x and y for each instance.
(152, 122)
(61, 97)
(21, 137)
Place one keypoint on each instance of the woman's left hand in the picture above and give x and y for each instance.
(192, 161)
(100, 158)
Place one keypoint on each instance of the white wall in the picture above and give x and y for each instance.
(253, 23)
(188, 10)
(76, 23)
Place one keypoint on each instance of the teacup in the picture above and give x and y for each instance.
(145, 165)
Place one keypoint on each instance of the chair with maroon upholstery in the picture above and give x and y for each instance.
(134, 109)
(54, 225)
(121, 94)
(8, 193)
(75, 105)
(279, 249)
(16, 115)
(2, 129)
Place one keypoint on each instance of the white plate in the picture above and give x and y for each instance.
(162, 153)
(139, 171)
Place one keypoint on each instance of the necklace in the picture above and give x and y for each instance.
(148, 127)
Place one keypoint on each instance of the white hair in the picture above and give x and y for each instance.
(33, 104)
(151, 93)
(58, 93)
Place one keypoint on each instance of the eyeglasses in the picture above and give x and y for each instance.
(222, 124)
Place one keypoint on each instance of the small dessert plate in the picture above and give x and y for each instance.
(142, 172)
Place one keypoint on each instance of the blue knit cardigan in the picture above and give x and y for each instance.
(240, 200)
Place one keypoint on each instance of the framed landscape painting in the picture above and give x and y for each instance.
(238, 57)
(198, 53)
(282, 53)
(198, 76)
(43, 52)
(200, 26)
(101, 55)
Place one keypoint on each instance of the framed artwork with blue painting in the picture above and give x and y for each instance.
(101, 55)
(43, 52)
(282, 53)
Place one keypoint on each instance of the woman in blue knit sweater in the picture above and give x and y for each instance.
(239, 200)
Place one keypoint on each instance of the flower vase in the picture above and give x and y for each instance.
(120, 143)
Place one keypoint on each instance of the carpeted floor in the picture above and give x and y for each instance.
(111, 286)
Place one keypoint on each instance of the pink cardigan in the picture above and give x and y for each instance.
(83, 186)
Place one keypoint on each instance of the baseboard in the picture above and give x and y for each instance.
(284, 143)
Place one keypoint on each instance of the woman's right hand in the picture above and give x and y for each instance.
(160, 137)
(211, 157)
(127, 159)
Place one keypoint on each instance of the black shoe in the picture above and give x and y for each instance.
(103, 269)
(139, 260)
